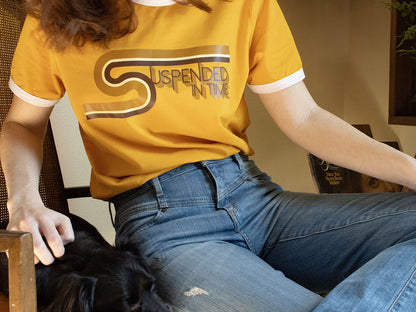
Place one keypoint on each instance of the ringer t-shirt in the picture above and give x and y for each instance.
(167, 94)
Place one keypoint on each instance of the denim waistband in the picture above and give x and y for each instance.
(238, 159)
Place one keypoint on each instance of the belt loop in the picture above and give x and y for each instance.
(159, 193)
(237, 158)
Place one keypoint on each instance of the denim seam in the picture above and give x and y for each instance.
(172, 174)
(145, 226)
(160, 196)
(140, 205)
(131, 194)
(341, 227)
(180, 202)
(233, 215)
(170, 203)
(396, 300)
(248, 241)
(232, 186)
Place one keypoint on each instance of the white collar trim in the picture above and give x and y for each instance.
(155, 3)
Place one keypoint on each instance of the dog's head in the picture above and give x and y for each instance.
(93, 276)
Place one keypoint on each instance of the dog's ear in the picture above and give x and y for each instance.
(74, 293)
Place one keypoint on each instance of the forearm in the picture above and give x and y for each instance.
(21, 159)
(334, 140)
(21, 151)
(329, 137)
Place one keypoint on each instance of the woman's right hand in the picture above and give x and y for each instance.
(41, 222)
(21, 150)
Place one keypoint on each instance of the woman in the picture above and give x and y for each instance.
(157, 86)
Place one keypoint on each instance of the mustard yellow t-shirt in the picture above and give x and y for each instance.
(170, 93)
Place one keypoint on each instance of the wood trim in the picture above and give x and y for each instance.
(22, 280)
(402, 120)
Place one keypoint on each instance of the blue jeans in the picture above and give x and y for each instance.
(221, 236)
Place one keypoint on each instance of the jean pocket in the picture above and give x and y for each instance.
(256, 176)
(133, 220)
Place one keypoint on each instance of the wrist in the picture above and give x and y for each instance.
(409, 176)
(23, 200)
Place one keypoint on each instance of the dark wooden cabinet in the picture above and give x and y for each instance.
(402, 102)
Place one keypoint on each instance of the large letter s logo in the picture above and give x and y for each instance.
(120, 85)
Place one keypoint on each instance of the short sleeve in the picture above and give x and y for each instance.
(34, 74)
(275, 63)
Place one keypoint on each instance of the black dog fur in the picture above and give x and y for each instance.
(94, 276)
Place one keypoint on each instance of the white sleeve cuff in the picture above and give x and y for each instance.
(279, 84)
(29, 98)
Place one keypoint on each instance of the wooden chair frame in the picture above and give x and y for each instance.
(22, 285)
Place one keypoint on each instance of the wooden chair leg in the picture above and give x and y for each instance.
(22, 281)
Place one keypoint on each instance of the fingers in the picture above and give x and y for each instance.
(40, 250)
(57, 230)
(49, 229)
(66, 231)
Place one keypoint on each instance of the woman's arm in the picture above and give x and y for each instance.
(21, 155)
(329, 137)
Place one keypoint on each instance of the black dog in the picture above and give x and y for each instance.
(94, 276)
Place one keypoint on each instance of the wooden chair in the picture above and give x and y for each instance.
(21, 276)
(21, 271)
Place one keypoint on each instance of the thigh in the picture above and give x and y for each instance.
(385, 283)
(318, 240)
(219, 276)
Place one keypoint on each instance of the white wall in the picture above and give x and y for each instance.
(367, 86)
(344, 45)
(76, 168)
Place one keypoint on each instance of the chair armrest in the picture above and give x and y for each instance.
(77, 192)
(22, 280)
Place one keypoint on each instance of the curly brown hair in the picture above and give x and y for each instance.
(76, 22)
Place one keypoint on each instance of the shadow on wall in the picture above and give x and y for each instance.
(367, 103)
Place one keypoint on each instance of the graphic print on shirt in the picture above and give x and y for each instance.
(202, 71)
